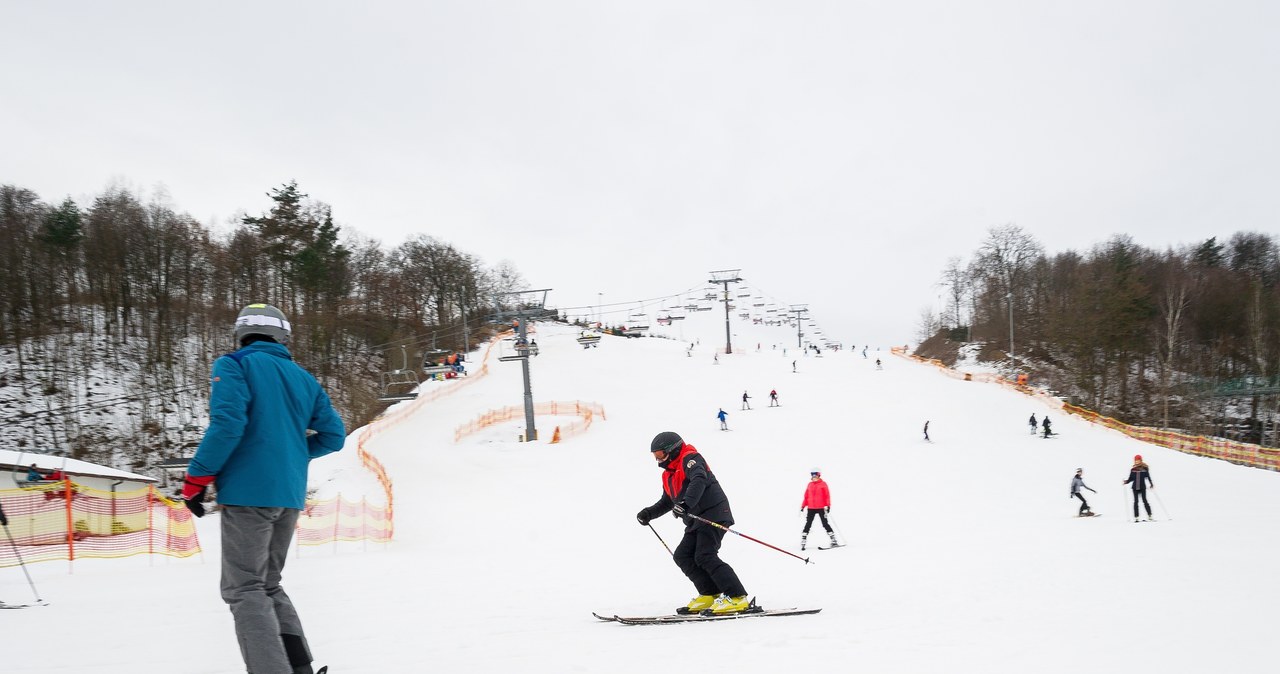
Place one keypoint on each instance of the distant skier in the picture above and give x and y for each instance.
(1077, 483)
(773, 398)
(817, 501)
(745, 405)
(716, 359)
(1045, 424)
(690, 488)
(793, 366)
(1035, 425)
(926, 431)
(864, 353)
(878, 366)
(1140, 477)
(723, 417)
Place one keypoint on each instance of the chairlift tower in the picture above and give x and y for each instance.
(798, 310)
(523, 312)
(725, 277)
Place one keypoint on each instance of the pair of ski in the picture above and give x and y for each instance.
(699, 618)
(38, 602)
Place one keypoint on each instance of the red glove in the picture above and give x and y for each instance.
(193, 490)
(194, 484)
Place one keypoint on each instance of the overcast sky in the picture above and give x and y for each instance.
(838, 153)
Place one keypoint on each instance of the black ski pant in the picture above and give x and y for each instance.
(1084, 505)
(1143, 494)
(820, 512)
(698, 557)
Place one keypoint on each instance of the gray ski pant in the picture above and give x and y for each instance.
(255, 543)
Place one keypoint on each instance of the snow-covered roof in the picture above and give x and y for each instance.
(11, 460)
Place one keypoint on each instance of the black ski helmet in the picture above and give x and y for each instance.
(667, 442)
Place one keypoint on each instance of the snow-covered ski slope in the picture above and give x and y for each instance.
(964, 554)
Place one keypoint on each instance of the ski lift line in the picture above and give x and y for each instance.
(627, 303)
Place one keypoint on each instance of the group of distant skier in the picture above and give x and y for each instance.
(1048, 430)
(723, 416)
(1139, 479)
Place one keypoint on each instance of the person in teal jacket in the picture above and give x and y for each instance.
(268, 417)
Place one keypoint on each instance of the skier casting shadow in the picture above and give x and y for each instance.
(690, 488)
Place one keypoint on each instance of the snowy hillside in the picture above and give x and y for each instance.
(964, 554)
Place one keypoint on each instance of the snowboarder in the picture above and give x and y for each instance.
(1077, 483)
(1047, 431)
(257, 449)
(723, 417)
(1140, 477)
(773, 398)
(1034, 424)
(817, 501)
(926, 431)
(745, 405)
(690, 488)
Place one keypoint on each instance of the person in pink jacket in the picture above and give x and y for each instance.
(817, 500)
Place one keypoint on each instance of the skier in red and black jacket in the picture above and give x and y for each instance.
(817, 501)
(690, 488)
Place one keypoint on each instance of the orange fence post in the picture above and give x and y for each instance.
(71, 546)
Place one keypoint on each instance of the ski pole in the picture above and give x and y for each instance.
(664, 543)
(1161, 502)
(739, 533)
(23, 565)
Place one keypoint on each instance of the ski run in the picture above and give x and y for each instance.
(960, 555)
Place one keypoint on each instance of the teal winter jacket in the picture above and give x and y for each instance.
(261, 406)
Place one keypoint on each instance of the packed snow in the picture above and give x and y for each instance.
(964, 554)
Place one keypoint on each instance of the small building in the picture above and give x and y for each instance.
(80, 472)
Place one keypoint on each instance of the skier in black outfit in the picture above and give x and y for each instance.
(1077, 483)
(1140, 477)
(690, 488)
(1047, 430)
(1033, 423)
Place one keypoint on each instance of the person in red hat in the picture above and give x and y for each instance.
(1140, 478)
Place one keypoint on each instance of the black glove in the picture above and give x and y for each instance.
(643, 517)
(4, 521)
(826, 510)
(680, 509)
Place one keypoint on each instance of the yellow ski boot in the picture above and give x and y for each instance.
(698, 604)
(728, 605)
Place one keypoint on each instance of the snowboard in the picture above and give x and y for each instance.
(1090, 515)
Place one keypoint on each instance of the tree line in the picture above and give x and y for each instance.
(135, 287)
(1185, 338)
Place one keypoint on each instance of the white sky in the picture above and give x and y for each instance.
(837, 152)
(964, 554)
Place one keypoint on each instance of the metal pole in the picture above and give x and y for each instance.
(1012, 357)
(531, 431)
(728, 339)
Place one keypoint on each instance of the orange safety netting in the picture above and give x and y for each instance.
(1243, 453)
(585, 412)
(339, 519)
(66, 520)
